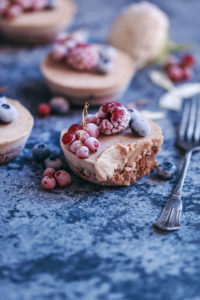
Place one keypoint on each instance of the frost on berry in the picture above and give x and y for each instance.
(112, 118)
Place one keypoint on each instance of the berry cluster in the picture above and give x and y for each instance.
(14, 8)
(51, 178)
(8, 113)
(179, 70)
(82, 56)
(112, 118)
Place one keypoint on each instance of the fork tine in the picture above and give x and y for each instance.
(197, 126)
(191, 122)
(184, 122)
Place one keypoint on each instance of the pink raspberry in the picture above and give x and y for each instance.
(82, 152)
(92, 143)
(92, 129)
(48, 182)
(62, 178)
(112, 118)
(83, 57)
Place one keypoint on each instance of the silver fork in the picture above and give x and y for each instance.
(189, 140)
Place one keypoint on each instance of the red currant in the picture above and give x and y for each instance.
(75, 127)
(187, 60)
(68, 138)
(175, 73)
(44, 110)
(187, 73)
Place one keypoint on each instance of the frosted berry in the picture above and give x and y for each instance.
(8, 113)
(48, 182)
(59, 105)
(175, 73)
(140, 127)
(62, 178)
(82, 152)
(105, 62)
(74, 128)
(41, 152)
(68, 138)
(92, 129)
(83, 57)
(44, 110)
(50, 4)
(166, 170)
(14, 11)
(92, 144)
(2, 100)
(134, 114)
(187, 73)
(49, 172)
(81, 135)
(53, 162)
(58, 52)
(75, 145)
(112, 118)
(91, 119)
(187, 60)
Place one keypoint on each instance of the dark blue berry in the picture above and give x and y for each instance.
(166, 170)
(41, 152)
(140, 127)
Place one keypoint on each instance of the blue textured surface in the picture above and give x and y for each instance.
(86, 241)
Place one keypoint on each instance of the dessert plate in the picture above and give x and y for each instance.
(80, 86)
(13, 136)
(38, 27)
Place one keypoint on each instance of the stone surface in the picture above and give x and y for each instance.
(86, 241)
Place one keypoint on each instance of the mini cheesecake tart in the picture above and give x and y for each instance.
(13, 136)
(121, 158)
(38, 26)
(80, 86)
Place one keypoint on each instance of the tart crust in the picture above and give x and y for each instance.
(38, 27)
(93, 87)
(13, 136)
(120, 160)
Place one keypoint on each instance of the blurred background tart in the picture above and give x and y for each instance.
(40, 26)
(13, 135)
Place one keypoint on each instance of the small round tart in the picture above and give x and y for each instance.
(120, 160)
(38, 27)
(80, 86)
(13, 136)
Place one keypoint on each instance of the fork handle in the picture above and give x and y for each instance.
(179, 186)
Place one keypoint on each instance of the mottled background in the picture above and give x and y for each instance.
(86, 241)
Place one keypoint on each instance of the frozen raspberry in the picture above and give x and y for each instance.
(48, 182)
(92, 129)
(82, 152)
(75, 145)
(81, 135)
(62, 178)
(44, 110)
(83, 57)
(92, 144)
(75, 127)
(68, 138)
(113, 118)
(187, 60)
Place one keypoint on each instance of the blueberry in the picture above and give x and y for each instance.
(41, 152)
(107, 53)
(140, 127)
(166, 170)
(104, 67)
(51, 4)
(8, 113)
(2, 100)
(105, 64)
(53, 162)
(59, 105)
(134, 114)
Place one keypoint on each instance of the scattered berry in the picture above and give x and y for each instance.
(83, 57)
(48, 182)
(82, 152)
(68, 138)
(59, 105)
(166, 170)
(44, 110)
(140, 127)
(41, 152)
(175, 73)
(74, 128)
(112, 118)
(62, 178)
(53, 162)
(187, 60)
(75, 145)
(92, 129)
(92, 144)
(49, 172)
(8, 113)
(81, 135)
